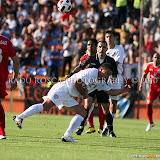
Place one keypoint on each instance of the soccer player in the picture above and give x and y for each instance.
(117, 53)
(6, 51)
(154, 69)
(91, 50)
(102, 98)
(61, 95)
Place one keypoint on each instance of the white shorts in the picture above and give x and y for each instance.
(117, 85)
(60, 96)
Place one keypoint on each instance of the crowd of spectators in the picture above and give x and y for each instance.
(37, 29)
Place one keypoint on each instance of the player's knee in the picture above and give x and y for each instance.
(47, 105)
(83, 113)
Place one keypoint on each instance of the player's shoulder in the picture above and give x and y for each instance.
(84, 56)
(4, 40)
(119, 47)
(150, 64)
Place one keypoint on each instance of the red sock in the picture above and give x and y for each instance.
(149, 113)
(90, 120)
(2, 120)
(101, 117)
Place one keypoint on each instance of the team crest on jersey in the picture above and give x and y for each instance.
(158, 71)
(154, 73)
(56, 96)
(3, 42)
(113, 54)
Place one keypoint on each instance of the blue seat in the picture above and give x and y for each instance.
(41, 71)
(20, 70)
(32, 70)
(37, 61)
(10, 69)
(53, 41)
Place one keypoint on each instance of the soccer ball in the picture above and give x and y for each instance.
(64, 6)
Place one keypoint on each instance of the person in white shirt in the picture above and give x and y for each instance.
(61, 96)
(117, 53)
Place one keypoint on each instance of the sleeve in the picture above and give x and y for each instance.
(12, 52)
(146, 68)
(85, 62)
(103, 87)
(120, 55)
(114, 65)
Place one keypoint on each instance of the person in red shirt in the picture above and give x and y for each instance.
(91, 50)
(6, 51)
(154, 69)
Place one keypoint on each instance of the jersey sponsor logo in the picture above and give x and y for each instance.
(151, 69)
(3, 42)
(56, 96)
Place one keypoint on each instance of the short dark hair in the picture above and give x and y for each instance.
(93, 40)
(106, 66)
(102, 42)
(111, 32)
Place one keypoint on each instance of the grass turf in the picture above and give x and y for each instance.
(40, 139)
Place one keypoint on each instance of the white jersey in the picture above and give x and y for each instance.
(117, 53)
(90, 82)
(62, 93)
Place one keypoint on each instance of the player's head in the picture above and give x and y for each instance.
(101, 49)
(156, 58)
(105, 70)
(91, 46)
(110, 37)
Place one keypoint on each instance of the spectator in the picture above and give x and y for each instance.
(128, 24)
(56, 15)
(92, 19)
(68, 53)
(110, 13)
(16, 41)
(53, 62)
(12, 23)
(40, 36)
(157, 34)
(151, 45)
(124, 34)
(44, 55)
(5, 31)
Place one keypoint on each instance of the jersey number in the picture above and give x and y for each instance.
(0, 55)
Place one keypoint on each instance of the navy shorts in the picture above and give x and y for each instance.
(102, 97)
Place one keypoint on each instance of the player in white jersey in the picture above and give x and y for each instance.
(117, 53)
(61, 95)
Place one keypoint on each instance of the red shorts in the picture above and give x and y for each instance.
(153, 93)
(3, 92)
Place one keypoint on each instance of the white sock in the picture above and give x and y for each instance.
(31, 110)
(74, 123)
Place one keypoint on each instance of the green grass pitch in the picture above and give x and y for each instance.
(39, 139)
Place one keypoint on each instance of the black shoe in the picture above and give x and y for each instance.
(80, 130)
(104, 132)
(112, 134)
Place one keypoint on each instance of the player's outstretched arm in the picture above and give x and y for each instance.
(142, 80)
(115, 92)
(81, 88)
(15, 72)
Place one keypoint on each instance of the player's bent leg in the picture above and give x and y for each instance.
(149, 115)
(87, 105)
(46, 105)
(75, 122)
